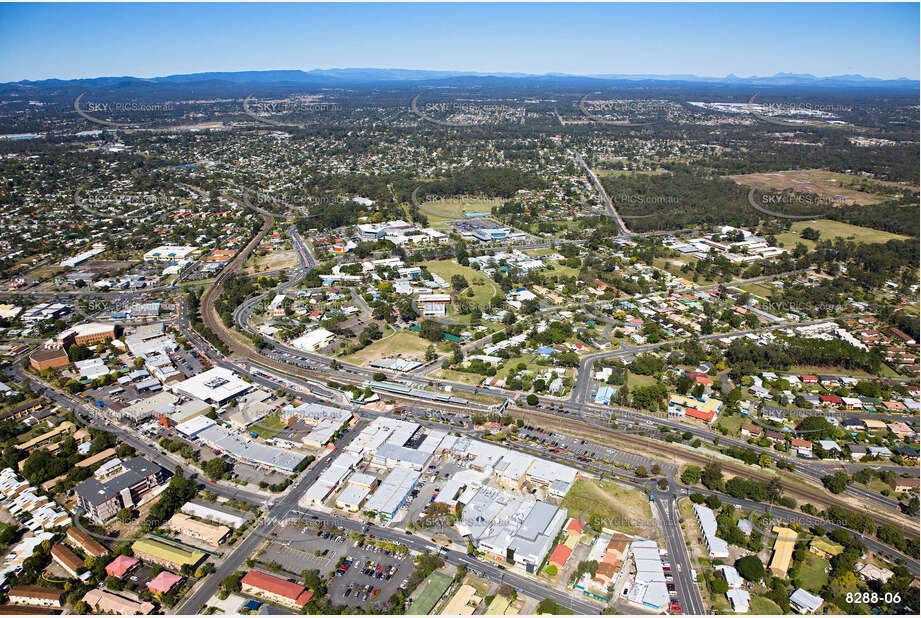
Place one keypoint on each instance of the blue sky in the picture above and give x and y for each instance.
(42, 41)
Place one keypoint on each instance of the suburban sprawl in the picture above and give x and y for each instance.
(474, 348)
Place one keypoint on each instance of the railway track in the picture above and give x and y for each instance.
(619, 439)
(214, 322)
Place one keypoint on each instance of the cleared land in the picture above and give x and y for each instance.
(834, 229)
(845, 188)
(402, 343)
(614, 506)
(271, 261)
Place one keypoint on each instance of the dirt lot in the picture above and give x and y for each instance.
(819, 182)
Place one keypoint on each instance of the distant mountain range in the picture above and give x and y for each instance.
(346, 77)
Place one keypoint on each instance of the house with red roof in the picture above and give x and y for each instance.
(164, 582)
(121, 566)
(706, 417)
(700, 378)
(808, 379)
(831, 401)
(559, 555)
(275, 589)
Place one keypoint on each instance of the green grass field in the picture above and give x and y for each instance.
(442, 211)
(435, 587)
(464, 377)
(762, 605)
(812, 575)
(634, 380)
(834, 229)
(758, 289)
(732, 424)
(618, 507)
(483, 287)
(561, 270)
(268, 427)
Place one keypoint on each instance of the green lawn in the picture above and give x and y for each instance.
(812, 573)
(268, 427)
(615, 505)
(511, 365)
(733, 424)
(762, 605)
(635, 379)
(758, 289)
(464, 377)
(834, 229)
(483, 287)
(561, 270)
(440, 212)
(434, 589)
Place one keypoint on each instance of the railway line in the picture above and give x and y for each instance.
(802, 495)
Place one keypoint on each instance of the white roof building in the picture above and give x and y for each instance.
(168, 253)
(717, 547)
(215, 386)
(215, 514)
(330, 479)
(313, 340)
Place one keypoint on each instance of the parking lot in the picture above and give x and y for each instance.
(421, 497)
(372, 577)
(586, 451)
(445, 417)
(365, 569)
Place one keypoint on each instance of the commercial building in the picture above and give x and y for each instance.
(313, 340)
(275, 589)
(49, 357)
(151, 407)
(36, 596)
(434, 304)
(352, 498)
(216, 386)
(166, 555)
(376, 231)
(392, 493)
(120, 484)
(86, 334)
(649, 586)
(216, 514)
(169, 253)
(104, 602)
(510, 528)
(213, 535)
(242, 448)
(330, 479)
